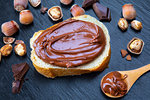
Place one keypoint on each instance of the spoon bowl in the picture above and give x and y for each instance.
(132, 76)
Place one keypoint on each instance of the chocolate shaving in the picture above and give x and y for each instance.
(19, 71)
(88, 3)
(43, 10)
(16, 86)
(102, 12)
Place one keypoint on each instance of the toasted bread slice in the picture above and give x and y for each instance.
(52, 71)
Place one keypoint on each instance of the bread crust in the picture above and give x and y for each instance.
(51, 72)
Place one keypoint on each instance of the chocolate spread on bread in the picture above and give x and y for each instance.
(114, 84)
(70, 43)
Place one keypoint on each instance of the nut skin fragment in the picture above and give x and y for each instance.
(35, 3)
(66, 2)
(137, 25)
(128, 11)
(9, 28)
(123, 24)
(20, 5)
(20, 49)
(43, 10)
(55, 13)
(128, 58)
(8, 40)
(123, 53)
(77, 10)
(26, 17)
(6, 50)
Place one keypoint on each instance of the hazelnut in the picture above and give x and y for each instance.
(55, 13)
(128, 11)
(135, 46)
(77, 10)
(123, 24)
(20, 49)
(26, 17)
(129, 58)
(35, 3)
(137, 25)
(20, 5)
(6, 50)
(8, 40)
(66, 2)
(9, 28)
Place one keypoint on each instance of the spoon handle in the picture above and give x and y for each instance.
(133, 75)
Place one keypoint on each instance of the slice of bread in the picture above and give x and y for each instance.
(51, 71)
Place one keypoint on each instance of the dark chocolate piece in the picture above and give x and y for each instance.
(102, 12)
(43, 10)
(16, 86)
(88, 3)
(19, 70)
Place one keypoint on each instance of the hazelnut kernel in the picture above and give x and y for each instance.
(20, 5)
(8, 40)
(26, 17)
(55, 13)
(137, 25)
(6, 50)
(77, 10)
(9, 28)
(128, 11)
(66, 2)
(20, 49)
(123, 24)
(136, 45)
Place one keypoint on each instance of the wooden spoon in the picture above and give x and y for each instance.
(133, 75)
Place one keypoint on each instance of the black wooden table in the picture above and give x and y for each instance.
(85, 87)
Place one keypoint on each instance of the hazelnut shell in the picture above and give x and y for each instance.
(55, 19)
(141, 49)
(66, 2)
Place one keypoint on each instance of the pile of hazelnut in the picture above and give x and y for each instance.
(26, 17)
(129, 13)
(135, 46)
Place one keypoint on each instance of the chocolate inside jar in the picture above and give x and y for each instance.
(114, 84)
(70, 43)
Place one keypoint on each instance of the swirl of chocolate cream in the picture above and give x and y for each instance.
(114, 84)
(70, 43)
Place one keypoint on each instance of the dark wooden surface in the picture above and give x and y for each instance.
(84, 87)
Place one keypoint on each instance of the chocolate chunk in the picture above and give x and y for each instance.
(16, 86)
(43, 10)
(19, 70)
(88, 3)
(102, 12)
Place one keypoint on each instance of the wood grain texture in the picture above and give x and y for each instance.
(84, 87)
